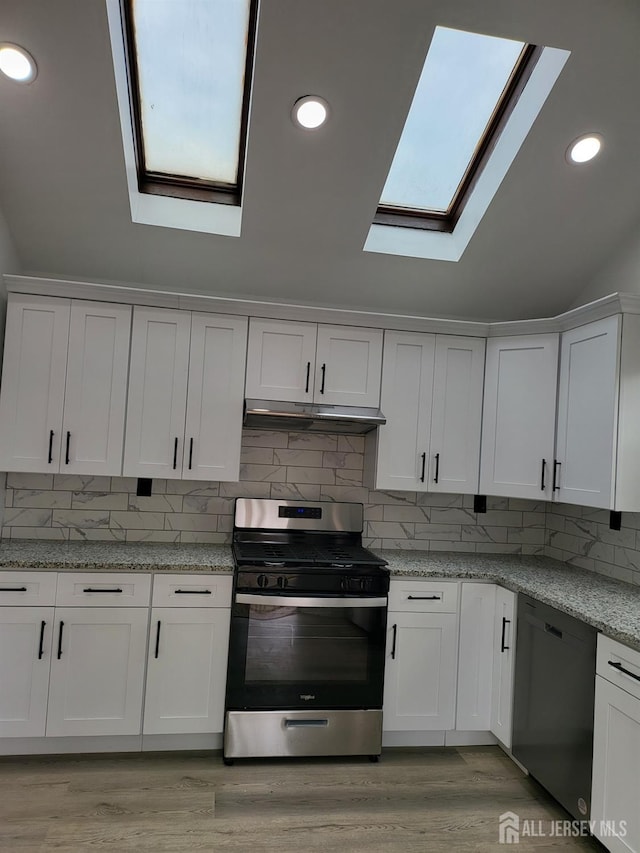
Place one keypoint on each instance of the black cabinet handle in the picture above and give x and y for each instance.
(393, 644)
(41, 644)
(192, 591)
(505, 622)
(544, 465)
(424, 465)
(190, 453)
(556, 465)
(91, 589)
(620, 668)
(50, 455)
(66, 452)
(323, 370)
(423, 598)
(157, 640)
(175, 453)
(435, 479)
(306, 385)
(13, 589)
(60, 640)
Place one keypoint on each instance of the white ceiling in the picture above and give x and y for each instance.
(310, 198)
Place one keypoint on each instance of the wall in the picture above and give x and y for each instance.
(276, 465)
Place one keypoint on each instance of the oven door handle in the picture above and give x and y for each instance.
(308, 601)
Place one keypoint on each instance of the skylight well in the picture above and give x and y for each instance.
(468, 85)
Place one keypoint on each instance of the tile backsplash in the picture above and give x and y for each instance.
(308, 466)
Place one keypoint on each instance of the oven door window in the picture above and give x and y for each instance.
(306, 656)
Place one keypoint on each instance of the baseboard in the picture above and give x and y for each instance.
(413, 738)
(69, 745)
(455, 738)
(162, 743)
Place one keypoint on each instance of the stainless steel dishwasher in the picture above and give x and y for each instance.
(553, 702)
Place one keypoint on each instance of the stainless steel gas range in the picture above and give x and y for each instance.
(308, 625)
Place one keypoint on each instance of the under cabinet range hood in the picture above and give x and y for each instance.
(311, 417)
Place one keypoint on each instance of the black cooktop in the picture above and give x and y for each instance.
(303, 554)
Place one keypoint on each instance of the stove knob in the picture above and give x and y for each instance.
(263, 581)
(282, 582)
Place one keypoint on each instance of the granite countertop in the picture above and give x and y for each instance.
(611, 606)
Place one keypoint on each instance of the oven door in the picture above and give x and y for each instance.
(304, 651)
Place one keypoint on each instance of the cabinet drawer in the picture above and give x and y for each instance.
(183, 590)
(611, 661)
(103, 589)
(20, 587)
(423, 596)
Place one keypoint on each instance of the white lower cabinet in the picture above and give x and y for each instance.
(420, 668)
(25, 655)
(187, 665)
(475, 656)
(97, 671)
(503, 652)
(616, 748)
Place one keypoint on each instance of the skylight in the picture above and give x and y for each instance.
(467, 83)
(188, 64)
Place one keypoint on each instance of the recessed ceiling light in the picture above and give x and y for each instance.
(17, 63)
(310, 112)
(584, 148)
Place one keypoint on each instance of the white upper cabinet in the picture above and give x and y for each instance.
(588, 414)
(184, 416)
(64, 385)
(519, 416)
(432, 400)
(302, 362)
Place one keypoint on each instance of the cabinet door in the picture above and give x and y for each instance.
(457, 415)
(616, 768)
(186, 675)
(348, 366)
(96, 391)
(420, 672)
(97, 671)
(475, 657)
(504, 644)
(280, 360)
(215, 398)
(518, 424)
(407, 386)
(587, 413)
(33, 380)
(25, 656)
(157, 393)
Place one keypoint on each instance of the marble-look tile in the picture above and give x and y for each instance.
(351, 443)
(138, 520)
(368, 542)
(261, 473)
(29, 481)
(441, 499)
(526, 535)
(312, 441)
(194, 487)
(225, 524)
(257, 455)
(582, 562)
(299, 458)
(581, 527)
(498, 518)
(612, 571)
(631, 519)
(80, 518)
(322, 476)
(554, 522)
(392, 497)
(155, 503)
(494, 502)
(482, 533)
(130, 485)
(336, 459)
(16, 517)
(438, 532)
(565, 509)
(295, 491)
(625, 537)
(373, 512)
(58, 534)
(533, 550)
(601, 516)
(446, 515)
(213, 506)
(191, 536)
(245, 489)
(96, 534)
(42, 499)
(526, 505)
(393, 512)
(348, 477)
(460, 547)
(555, 553)
(8, 497)
(81, 483)
(191, 521)
(497, 548)
(533, 519)
(152, 535)
(390, 530)
(99, 500)
(627, 558)
(566, 542)
(413, 545)
(264, 438)
(355, 494)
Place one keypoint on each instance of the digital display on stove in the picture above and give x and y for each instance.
(299, 512)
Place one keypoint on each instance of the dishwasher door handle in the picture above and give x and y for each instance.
(550, 629)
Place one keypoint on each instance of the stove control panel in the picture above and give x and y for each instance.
(312, 581)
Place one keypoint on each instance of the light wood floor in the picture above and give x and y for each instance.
(413, 801)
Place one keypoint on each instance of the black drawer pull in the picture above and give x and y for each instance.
(13, 589)
(66, 452)
(424, 464)
(306, 385)
(60, 640)
(393, 645)
(50, 454)
(90, 589)
(556, 479)
(157, 652)
(190, 453)
(620, 668)
(323, 370)
(544, 465)
(41, 644)
(505, 622)
(192, 591)
(175, 453)
(306, 724)
(437, 474)
(424, 597)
